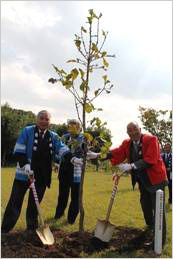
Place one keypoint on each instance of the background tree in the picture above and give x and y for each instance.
(60, 129)
(12, 121)
(158, 123)
(89, 44)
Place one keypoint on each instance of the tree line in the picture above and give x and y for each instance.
(158, 123)
(13, 120)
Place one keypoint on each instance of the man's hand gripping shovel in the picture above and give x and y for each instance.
(104, 229)
(43, 231)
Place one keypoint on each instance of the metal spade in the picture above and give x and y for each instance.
(43, 231)
(104, 229)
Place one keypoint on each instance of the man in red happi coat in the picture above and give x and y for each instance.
(144, 162)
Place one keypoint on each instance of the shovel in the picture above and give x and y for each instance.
(43, 231)
(104, 229)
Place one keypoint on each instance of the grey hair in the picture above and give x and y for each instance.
(73, 121)
(133, 123)
(42, 112)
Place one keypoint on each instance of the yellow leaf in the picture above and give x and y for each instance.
(105, 63)
(105, 77)
(88, 136)
(82, 73)
(88, 107)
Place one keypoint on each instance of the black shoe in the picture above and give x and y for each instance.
(71, 222)
(149, 245)
(149, 231)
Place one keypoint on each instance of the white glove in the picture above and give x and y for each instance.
(76, 161)
(27, 169)
(92, 155)
(125, 167)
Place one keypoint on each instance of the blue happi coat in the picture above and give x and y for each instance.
(24, 146)
(76, 151)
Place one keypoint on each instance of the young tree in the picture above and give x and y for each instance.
(90, 45)
(158, 123)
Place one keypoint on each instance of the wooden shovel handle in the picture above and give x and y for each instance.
(114, 191)
(32, 186)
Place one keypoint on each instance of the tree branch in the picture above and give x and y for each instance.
(83, 42)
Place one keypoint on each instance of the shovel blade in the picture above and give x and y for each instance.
(45, 235)
(104, 230)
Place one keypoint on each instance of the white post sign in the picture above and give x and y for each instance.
(158, 222)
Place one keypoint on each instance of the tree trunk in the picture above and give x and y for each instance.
(81, 208)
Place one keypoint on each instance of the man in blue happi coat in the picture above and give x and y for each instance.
(35, 149)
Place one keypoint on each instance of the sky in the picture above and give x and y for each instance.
(37, 34)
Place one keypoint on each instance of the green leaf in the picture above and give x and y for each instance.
(90, 19)
(68, 84)
(78, 43)
(82, 73)
(94, 47)
(96, 92)
(82, 86)
(59, 71)
(98, 122)
(107, 144)
(93, 120)
(105, 63)
(63, 72)
(56, 69)
(104, 149)
(83, 29)
(104, 53)
(105, 77)
(74, 73)
(71, 60)
(103, 32)
(96, 55)
(88, 107)
(52, 80)
(93, 15)
(68, 77)
(90, 11)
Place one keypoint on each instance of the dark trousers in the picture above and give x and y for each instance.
(64, 190)
(14, 206)
(170, 192)
(148, 204)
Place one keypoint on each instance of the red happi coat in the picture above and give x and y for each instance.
(151, 155)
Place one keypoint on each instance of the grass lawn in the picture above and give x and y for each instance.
(126, 210)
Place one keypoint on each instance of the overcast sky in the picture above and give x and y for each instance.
(36, 34)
